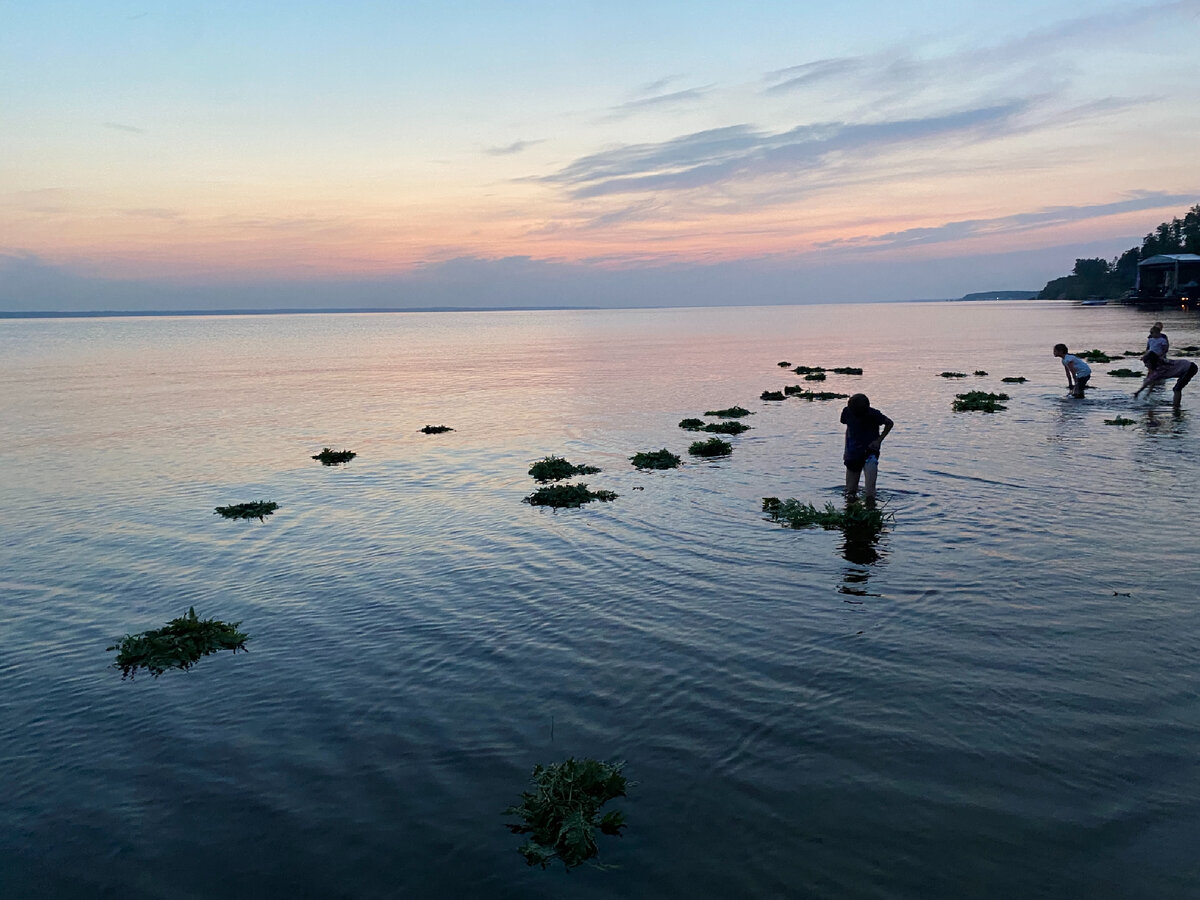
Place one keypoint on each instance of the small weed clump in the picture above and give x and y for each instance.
(555, 468)
(567, 496)
(561, 813)
(726, 427)
(691, 424)
(846, 370)
(818, 395)
(771, 395)
(178, 645)
(1119, 420)
(712, 447)
(805, 515)
(331, 457)
(808, 370)
(979, 401)
(952, 374)
(655, 459)
(1125, 373)
(1019, 379)
(1136, 352)
(1098, 356)
(436, 429)
(257, 509)
(731, 412)
(1189, 349)
(783, 365)
(815, 376)
(980, 373)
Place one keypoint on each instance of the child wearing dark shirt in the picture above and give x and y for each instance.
(863, 439)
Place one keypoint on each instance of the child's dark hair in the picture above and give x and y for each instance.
(1062, 347)
(858, 404)
(1151, 360)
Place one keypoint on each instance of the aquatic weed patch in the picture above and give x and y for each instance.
(555, 468)
(952, 375)
(771, 395)
(979, 401)
(731, 412)
(1125, 373)
(1098, 356)
(801, 394)
(726, 427)
(331, 457)
(655, 459)
(562, 813)
(567, 496)
(1120, 420)
(1015, 379)
(256, 509)
(435, 429)
(795, 514)
(847, 370)
(691, 424)
(712, 447)
(979, 373)
(808, 370)
(180, 644)
(815, 376)
(784, 364)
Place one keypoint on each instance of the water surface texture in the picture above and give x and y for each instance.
(998, 698)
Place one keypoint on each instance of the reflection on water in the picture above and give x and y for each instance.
(999, 720)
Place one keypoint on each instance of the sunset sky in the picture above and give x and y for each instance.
(251, 154)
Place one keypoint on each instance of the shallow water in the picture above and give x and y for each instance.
(998, 698)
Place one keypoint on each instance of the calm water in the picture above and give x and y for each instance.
(998, 699)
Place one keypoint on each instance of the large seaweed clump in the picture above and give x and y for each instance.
(1119, 420)
(726, 427)
(771, 395)
(257, 509)
(712, 447)
(808, 370)
(435, 429)
(815, 376)
(1098, 356)
(979, 401)
(655, 459)
(952, 374)
(567, 496)
(691, 424)
(1018, 379)
(846, 370)
(732, 412)
(801, 394)
(1125, 373)
(178, 645)
(555, 468)
(805, 515)
(562, 812)
(331, 457)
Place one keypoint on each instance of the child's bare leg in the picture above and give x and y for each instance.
(852, 480)
(870, 470)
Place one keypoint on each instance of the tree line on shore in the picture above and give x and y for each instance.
(1111, 278)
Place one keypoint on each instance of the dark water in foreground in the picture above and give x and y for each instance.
(998, 699)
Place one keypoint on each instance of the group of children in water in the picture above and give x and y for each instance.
(866, 427)
(1158, 367)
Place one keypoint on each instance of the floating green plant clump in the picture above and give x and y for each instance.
(815, 376)
(771, 395)
(980, 373)
(178, 645)
(567, 495)
(655, 459)
(732, 412)
(436, 429)
(562, 812)
(711, 447)
(818, 395)
(1125, 373)
(783, 365)
(1136, 352)
(1119, 420)
(555, 468)
(331, 457)
(691, 424)
(257, 509)
(1190, 348)
(1019, 379)
(846, 370)
(1094, 356)
(979, 401)
(726, 427)
(808, 370)
(952, 374)
(805, 515)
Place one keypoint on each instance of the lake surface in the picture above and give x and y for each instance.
(998, 698)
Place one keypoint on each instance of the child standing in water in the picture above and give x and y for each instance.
(863, 439)
(1156, 341)
(1078, 372)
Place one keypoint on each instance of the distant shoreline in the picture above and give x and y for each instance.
(161, 313)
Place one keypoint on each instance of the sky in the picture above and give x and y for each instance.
(227, 155)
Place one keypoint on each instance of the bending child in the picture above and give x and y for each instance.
(1078, 372)
(863, 440)
(1161, 369)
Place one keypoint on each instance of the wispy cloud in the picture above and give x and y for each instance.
(659, 101)
(513, 148)
(1018, 222)
(129, 129)
(810, 73)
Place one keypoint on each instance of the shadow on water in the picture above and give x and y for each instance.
(861, 547)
